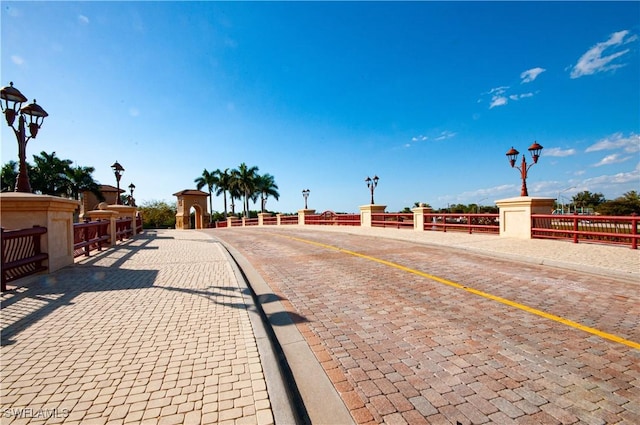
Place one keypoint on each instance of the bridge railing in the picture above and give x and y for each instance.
(602, 229)
(470, 223)
(395, 220)
(617, 230)
(90, 236)
(329, 218)
(21, 254)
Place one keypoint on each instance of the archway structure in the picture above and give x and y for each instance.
(187, 199)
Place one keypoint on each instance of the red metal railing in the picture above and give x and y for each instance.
(288, 219)
(89, 236)
(251, 222)
(618, 230)
(396, 220)
(329, 218)
(123, 228)
(138, 224)
(471, 223)
(221, 223)
(270, 221)
(21, 254)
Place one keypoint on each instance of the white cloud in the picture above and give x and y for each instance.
(611, 159)
(559, 152)
(445, 135)
(630, 144)
(629, 177)
(499, 96)
(531, 74)
(83, 20)
(18, 60)
(498, 101)
(520, 96)
(419, 138)
(593, 60)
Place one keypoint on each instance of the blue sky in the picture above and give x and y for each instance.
(427, 95)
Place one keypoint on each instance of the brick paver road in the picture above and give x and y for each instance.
(155, 331)
(402, 347)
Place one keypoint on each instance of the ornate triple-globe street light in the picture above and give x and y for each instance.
(12, 108)
(305, 195)
(371, 184)
(117, 171)
(512, 154)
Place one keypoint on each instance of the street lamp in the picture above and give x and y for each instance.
(305, 195)
(512, 154)
(117, 170)
(371, 184)
(13, 100)
(132, 203)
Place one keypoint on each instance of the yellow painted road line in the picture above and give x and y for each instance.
(505, 301)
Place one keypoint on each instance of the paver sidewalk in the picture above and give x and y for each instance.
(154, 331)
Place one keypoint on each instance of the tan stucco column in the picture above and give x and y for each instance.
(24, 210)
(302, 213)
(367, 210)
(515, 214)
(418, 217)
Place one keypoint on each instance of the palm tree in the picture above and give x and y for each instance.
(80, 179)
(265, 187)
(9, 176)
(49, 174)
(210, 180)
(244, 180)
(223, 186)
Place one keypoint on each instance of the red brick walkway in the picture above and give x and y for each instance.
(403, 348)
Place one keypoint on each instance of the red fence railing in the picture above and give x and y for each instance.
(395, 220)
(21, 254)
(90, 236)
(471, 223)
(329, 218)
(251, 222)
(123, 228)
(618, 230)
(288, 219)
(138, 225)
(270, 221)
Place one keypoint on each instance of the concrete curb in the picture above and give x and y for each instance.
(307, 381)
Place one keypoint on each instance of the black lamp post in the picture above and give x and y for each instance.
(117, 170)
(305, 194)
(512, 154)
(132, 202)
(11, 107)
(371, 184)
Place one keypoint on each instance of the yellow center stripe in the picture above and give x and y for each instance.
(505, 301)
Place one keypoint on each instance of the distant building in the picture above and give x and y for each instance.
(89, 201)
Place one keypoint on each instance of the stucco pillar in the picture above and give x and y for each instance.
(418, 217)
(515, 214)
(302, 213)
(367, 210)
(25, 210)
